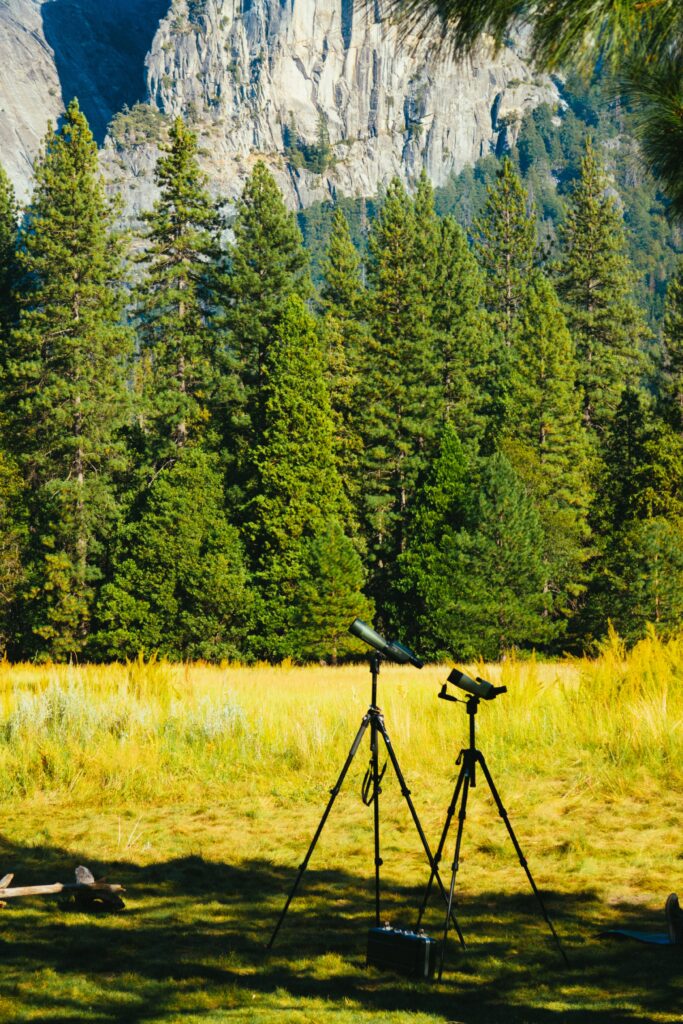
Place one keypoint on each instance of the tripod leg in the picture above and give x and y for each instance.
(333, 796)
(462, 814)
(522, 859)
(442, 842)
(406, 794)
(375, 810)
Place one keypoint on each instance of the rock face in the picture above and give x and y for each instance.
(323, 90)
(330, 83)
(30, 91)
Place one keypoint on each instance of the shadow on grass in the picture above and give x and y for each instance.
(192, 941)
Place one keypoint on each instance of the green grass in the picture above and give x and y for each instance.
(199, 789)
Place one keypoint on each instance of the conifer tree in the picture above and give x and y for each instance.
(267, 264)
(595, 282)
(672, 343)
(174, 297)
(299, 489)
(179, 585)
(440, 512)
(543, 437)
(65, 397)
(401, 386)
(462, 332)
(481, 580)
(13, 536)
(427, 235)
(505, 243)
(329, 596)
(638, 575)
(342, 292)
(345, 337)
(8, 259)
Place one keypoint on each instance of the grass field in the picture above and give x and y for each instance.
(199, 789)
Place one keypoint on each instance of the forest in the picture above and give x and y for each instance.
(458, 431)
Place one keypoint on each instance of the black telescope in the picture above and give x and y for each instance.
(391, 649)
(477, 687)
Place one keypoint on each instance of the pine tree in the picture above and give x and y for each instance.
(299, 489)
(329, 596)
(427, 236)
(440, 512)
(401, 388)
(505, 243)
(345, 337)
(638, 574)
(544, 438)
(481, 581)
(462, 332)
(179, 585)
(13, 537)
(595, 282)
(8, 259)
(267, 264)
(174, 302)
(342, 291)
(672, 343)
(66, 398)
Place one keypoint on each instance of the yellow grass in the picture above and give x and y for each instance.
(199, 787)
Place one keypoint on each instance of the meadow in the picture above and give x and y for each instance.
(199, 788)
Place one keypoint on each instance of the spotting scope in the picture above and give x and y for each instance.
(477, 687)
(391, 649)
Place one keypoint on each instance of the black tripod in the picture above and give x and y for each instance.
(371, 790)
(468, 759)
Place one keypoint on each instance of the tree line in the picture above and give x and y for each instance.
(203, 456)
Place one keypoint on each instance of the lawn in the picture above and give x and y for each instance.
(199, 788)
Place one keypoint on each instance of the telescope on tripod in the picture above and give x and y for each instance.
(468, 759)
(400, 654)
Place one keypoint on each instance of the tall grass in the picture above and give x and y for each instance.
(156, 730)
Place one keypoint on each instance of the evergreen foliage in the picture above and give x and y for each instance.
(329, 596)
(174, 303)
(544, 438)
(65, 399)
(596, 283)
(488, 449)
(400, 379)
(267, 265)
(8, 258)
(638, 577)
(345, 338)
(505, 242)
(299, 490)
(672, 343)
(13, 537)
(474, 568)
(179, 585)
(463, 334)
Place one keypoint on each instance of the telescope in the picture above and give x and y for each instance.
(391, 649)
(477, 687)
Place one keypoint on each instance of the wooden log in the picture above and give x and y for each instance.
(45, 890)
(85, 890)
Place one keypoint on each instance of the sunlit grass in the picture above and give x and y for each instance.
(199, 788)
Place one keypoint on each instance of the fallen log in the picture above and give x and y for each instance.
(85, 890)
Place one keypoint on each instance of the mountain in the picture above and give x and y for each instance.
(323, 90)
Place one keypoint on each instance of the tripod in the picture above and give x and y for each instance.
(468, 759)
(370, 793)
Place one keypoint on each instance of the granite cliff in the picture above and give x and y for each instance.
(323, 90)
